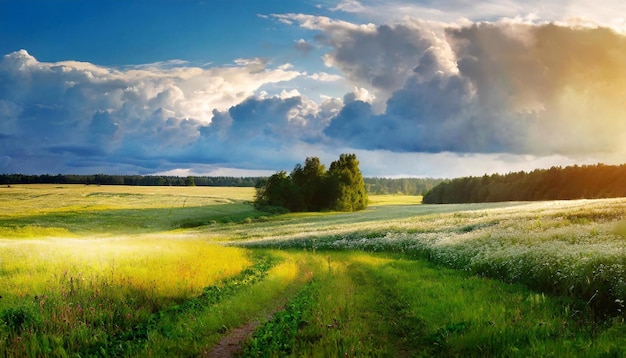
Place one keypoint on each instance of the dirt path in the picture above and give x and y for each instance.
(231, 343)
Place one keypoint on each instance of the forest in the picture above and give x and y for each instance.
(373, 185)
(401, 186)
(133, 180)
(556, 183)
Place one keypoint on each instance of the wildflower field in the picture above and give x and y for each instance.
(172, 271)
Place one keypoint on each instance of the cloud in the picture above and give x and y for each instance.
(303, 46)
(377, 57)
(512, 91)
(70, 110)
(608, 12)
(516, 88)
(562, 87)
(212, 171)
(267, 124)
(325, 77)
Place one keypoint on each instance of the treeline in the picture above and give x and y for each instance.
(403, 186)
(313, 188)
(143, 180)
(556, 183)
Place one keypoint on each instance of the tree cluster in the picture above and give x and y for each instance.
(312, 188)
(556, 183)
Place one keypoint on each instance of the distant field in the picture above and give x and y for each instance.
(62, 210)
(377, 200)
(171, 271)
(17, 200)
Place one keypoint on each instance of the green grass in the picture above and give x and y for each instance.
(387, 305)
(569, 248)
(132, 271)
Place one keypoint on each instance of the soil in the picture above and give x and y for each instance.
(231, 343)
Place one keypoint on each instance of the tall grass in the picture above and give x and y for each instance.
(65, 295)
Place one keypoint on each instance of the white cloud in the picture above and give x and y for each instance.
(147, 115)
(604, 13)
(359, 94)
(350, 6)
(313, 22)
(212, 171)
(325, 77)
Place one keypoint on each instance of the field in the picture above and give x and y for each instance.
(196, 271)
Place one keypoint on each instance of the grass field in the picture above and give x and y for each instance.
(173, 271)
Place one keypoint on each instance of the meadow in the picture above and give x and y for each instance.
(187, 271)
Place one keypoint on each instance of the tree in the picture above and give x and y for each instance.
(312, 188)
(346, 184)
(309, 180)
(190, 181)
(273, 192)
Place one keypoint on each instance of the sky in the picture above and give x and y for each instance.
(416, 88)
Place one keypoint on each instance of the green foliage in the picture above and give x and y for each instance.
(312, 188)
(556, 183)
(277, 336)
(190, 181)
(310, 183)
(346, 184)
(381, 305)
(277, 191)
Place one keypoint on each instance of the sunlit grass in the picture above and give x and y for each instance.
(165, 267)
(73, 294)
(195, 333)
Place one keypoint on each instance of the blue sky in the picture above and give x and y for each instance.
(246, 87)
(113, 33)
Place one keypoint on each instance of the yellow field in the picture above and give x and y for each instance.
(18, 200)
(32, 211)
(379, 200)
